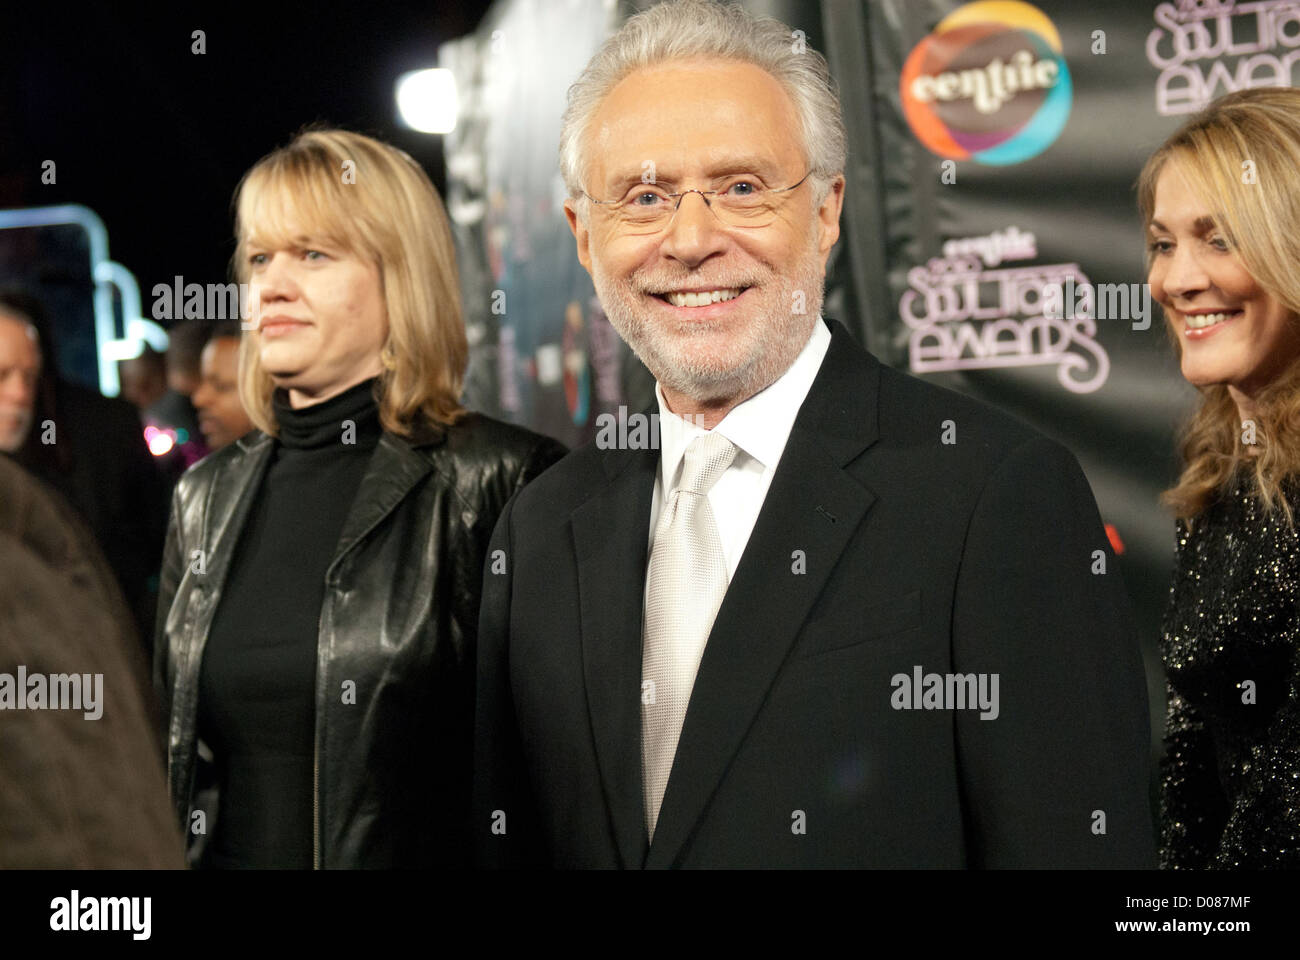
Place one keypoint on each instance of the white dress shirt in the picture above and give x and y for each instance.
(760, 427)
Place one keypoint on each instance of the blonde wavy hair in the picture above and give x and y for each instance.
(375, 202)
(1259, 222)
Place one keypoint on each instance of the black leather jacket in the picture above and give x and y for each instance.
(393, 769)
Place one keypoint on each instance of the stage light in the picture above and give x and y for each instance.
(426, 100)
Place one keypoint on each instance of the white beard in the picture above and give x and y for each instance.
(775, 332)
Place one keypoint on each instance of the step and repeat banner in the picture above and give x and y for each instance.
(994, 232)
(991, 237)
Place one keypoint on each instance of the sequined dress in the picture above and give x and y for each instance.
(1230, 777)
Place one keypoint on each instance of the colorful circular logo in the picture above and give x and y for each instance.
(990, 84)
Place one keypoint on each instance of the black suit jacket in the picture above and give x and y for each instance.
(970, 557)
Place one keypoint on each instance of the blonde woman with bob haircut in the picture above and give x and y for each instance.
(1220, 201)
(320, 589)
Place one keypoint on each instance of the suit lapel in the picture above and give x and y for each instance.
(394, 468)
(225, 511)
(610, 533)
(230, 498)
(813, 505)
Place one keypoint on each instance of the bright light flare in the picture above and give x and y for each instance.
(160, 441)
(426, 100)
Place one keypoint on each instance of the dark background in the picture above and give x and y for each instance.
(154, 138)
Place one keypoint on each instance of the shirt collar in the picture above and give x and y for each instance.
(759, 426)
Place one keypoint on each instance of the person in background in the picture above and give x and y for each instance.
(185, 342)
(1224, 264)
(81, 787)
(320, 589)
(174, 410)
(89, 447)
(222, 417)
(161, 385)
(143, 378)
(20, 368)
(144, 383)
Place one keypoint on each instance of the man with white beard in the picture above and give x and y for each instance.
(685, 653)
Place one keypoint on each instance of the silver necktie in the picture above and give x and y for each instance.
(687, 581)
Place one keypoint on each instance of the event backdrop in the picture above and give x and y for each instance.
(991, 241)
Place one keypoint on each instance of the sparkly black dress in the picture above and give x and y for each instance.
(1230, 778)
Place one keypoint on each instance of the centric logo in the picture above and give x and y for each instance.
(990, 84)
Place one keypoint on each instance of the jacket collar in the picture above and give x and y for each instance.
(813, 505)
(396, 466)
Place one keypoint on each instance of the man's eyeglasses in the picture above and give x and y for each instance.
(740, 201)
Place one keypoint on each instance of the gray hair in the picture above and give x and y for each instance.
(685, 29)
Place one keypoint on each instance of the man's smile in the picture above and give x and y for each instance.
(702, 303)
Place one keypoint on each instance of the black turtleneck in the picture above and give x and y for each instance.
(257, 686)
